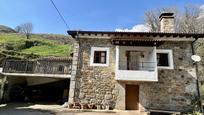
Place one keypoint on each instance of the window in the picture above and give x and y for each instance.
(164, 59)
(99, 56)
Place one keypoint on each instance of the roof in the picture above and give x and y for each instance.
(148, 34)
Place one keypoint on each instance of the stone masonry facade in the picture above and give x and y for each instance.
(97, 85)
(175, 88)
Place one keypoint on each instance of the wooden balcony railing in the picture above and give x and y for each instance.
(37, 67)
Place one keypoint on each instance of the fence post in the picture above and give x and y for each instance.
(26, 66)
(4, 65)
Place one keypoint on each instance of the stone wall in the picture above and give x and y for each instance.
(167, 24)
(96, 83)
(173, 91)
(74, 81)
(175, 88)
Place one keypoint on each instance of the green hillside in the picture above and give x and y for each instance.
(6, 29)
(15, 45)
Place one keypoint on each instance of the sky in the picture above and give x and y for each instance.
(92, 15)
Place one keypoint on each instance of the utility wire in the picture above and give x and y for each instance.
(60, 15)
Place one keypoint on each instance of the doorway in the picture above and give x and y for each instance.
(132, 97)
(133, 58)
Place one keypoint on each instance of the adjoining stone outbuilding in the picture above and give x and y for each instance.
(135, 70)
(41, 80)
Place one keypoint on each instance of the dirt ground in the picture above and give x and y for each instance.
(53, 109)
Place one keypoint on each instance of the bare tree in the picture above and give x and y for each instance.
(153, 21)
(152, 18)
(26, 29)
(17, 29)
(189, 21)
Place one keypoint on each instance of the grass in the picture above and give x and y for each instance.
(14, 39)
(11, 37)
(37, 44)
(50, 50)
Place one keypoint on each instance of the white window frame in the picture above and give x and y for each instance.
(170, 58)
(93, 49)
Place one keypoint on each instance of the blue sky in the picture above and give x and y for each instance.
(82, 14)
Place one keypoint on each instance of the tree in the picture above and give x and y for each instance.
(25, 28)
(189, 21)
(153, 21)
(17, 29)
(152, 18)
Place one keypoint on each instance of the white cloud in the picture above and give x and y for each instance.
(202, 7)
(136, 28)
(201, 16)
(146, 28)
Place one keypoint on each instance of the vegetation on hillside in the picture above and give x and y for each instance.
(6, 29)
(15, 45)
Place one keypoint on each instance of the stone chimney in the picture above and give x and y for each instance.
(167, 22)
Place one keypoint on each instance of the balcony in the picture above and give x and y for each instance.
(136, 63)
(137, 66)
(38, 68)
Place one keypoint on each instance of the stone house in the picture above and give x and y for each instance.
(135, 70)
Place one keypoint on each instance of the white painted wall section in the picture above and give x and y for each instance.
(136, 75)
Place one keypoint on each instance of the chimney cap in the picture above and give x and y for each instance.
(166, 14)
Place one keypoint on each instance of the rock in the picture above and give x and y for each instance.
(76, 107)
(84, 106)
(108, 96)
(65, 105)
(98, 107)
(91, 106)
(70, 105)
(93, 101)
(115, 92)
(81, 95)
(107, 107)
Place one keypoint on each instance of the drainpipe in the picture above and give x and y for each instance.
(197, 76)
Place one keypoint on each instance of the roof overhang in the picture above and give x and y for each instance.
(134, 34)
(136, 38)
(138, 42)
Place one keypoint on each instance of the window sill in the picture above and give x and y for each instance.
(165, 67)
(96, 64)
